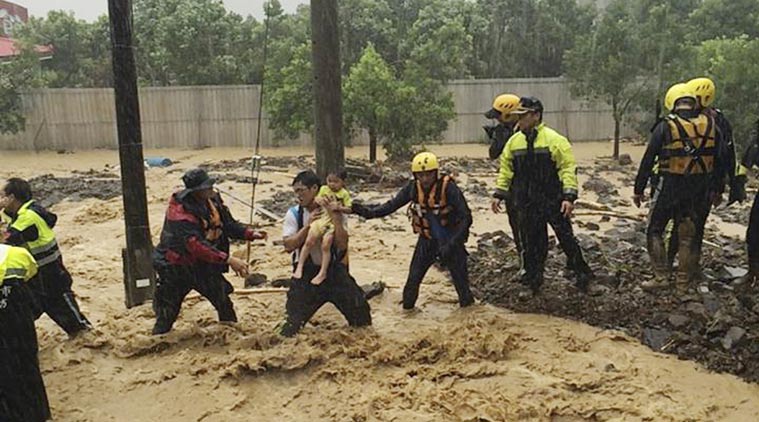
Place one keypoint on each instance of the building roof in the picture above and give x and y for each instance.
(8, 49)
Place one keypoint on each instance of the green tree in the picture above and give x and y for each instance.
(363, 22)
(398, 112)
(369, 92)
(438, 40)
(724, 19)
(81, 49)
(525, 38)
(192, 42)
(733, 66)
(289, 96)
(16, 76)
(604, 65)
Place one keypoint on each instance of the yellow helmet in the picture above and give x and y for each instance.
(502, 106)
(676, 92)
(424, 161)
(704, 90)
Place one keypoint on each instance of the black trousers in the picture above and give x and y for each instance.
(689, 207)
(533, 221)
(511, 211)
(22, 391)
(53, 295)
(752, 237)
(425, 254)
(339, 289)
(175, 282)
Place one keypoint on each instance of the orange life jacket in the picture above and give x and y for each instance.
(435, 202)
(213, 229)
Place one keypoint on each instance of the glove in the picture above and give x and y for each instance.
(737, 190)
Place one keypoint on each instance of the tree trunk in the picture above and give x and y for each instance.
(328, 118)
(372, 145)
(617, 123)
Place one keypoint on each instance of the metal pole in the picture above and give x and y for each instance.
(139, 278)
(255, 164)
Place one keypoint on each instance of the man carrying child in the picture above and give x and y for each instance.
(323, 229)
(339, 287)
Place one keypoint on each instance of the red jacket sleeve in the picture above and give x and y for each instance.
(202, 251)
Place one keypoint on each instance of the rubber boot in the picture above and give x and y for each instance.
(658, 256)
(688, 255)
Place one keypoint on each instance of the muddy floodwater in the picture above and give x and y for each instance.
(509, 358)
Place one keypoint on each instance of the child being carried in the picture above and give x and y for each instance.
(323, 228)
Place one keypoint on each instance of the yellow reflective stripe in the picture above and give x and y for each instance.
(48, 259)
(43, 248)
(15, 272)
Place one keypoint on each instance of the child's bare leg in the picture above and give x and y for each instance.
(311, 240)
(326, 258)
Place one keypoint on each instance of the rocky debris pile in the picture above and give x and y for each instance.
(362, 173)
(267, 164)
(714, 322)
(280, 202)
(735, 213)
(51, 190)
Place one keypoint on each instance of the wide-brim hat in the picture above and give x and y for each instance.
(195, 180)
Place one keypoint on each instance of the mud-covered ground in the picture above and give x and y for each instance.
(715, 322)
(438, 364)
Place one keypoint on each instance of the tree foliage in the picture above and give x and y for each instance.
(17, 76)
(398, 112)
(422, 44)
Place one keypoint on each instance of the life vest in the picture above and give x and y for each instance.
(434, 202)
(213, 228)
(692, 148)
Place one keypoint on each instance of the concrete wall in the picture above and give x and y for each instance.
(205, 116)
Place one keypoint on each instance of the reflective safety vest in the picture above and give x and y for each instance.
(692, 148)
(45, 249)
(16, 264)
(434, 202)
(213, 229)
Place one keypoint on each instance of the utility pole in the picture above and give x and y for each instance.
(328, 113)
(139, 278)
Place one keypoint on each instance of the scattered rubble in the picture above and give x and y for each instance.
(714, 322)
(51, 189)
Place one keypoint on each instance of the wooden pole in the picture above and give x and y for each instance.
(139, 278)
(328, 118)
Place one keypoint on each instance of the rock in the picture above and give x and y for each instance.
(592, 227)
(656, 338)
(678, 321)
(598, 290)
(733, 336)
(255, 279)
(703, 289)
(587, 242)
(697, 309)
(374, 289)
(600, 186)
(731, 273)
(625, 160)
(711, 305)
(605, 219)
